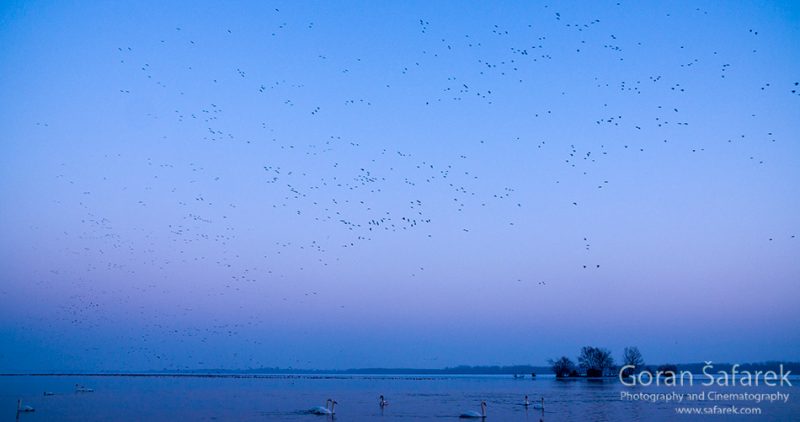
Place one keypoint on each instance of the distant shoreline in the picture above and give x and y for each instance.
(266, 376)
(517, 371)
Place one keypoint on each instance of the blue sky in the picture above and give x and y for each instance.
(207, 185)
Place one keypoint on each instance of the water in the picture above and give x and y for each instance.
(411, 398)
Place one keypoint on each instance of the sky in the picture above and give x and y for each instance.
(201, 185)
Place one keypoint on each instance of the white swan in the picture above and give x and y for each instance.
(538, 406)
(475, 415)
(527, 402)
(383, 401)
(319, 410)
(25, 408)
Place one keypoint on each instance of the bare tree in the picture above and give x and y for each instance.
(595, 361)
(562, 367)
(632, 357)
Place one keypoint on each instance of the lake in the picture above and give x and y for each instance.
(411, 398)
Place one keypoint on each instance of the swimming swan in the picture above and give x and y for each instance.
(475, 415)
(25, 408)
(319, 410)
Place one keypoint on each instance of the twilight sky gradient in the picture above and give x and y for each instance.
(420, 184)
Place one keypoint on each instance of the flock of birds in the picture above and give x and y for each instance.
(234, 153)
(26, 408)
(330, 408)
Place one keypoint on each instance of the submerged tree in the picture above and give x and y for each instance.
(631, 357)
(562, 367)
(595, 361)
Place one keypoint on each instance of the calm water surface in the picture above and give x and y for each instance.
(412, 398)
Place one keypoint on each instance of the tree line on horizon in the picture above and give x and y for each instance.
(597, 362)
(592, 362)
